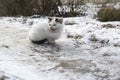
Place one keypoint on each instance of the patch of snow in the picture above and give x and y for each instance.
(87, 50)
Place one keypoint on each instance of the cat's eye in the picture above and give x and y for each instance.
(49, 24)
(54, 24)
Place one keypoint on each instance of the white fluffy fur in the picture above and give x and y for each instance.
(43, 31)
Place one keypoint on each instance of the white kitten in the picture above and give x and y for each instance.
(49, 31)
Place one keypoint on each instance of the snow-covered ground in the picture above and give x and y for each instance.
(87, 50)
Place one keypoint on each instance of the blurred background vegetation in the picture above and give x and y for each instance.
(108, 14)
(65, 8)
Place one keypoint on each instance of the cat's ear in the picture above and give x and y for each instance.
(60, 20)
(50, 19)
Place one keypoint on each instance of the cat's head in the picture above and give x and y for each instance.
(55, 23)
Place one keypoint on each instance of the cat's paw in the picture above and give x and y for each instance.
(51, 41)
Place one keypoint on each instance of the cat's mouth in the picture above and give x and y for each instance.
(53, 29)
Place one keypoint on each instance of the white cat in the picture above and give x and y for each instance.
(49, 31)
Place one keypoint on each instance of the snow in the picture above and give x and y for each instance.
(10, 66)
(88, 50)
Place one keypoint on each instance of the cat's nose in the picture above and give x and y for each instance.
(51, 27)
